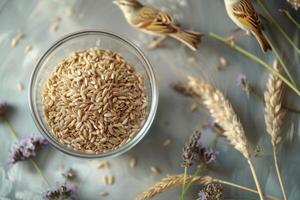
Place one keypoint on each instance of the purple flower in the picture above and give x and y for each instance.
(26, 148)
(189, 150)
(212, 191)
(3, 109)
(60, 192)
(207, 155)
(194, 149)
(202, 195)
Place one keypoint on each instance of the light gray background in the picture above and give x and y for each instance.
(174, 119)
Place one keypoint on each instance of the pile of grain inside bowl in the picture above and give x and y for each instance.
(94, 101)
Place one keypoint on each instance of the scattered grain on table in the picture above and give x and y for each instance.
(223, 62)
(154, 170)
(167, 142)
(104, 194)
(108, 180)
(16, 39)
(20, 86)
(54, 27)
(132, 163)
(102, 165)
(28, 48)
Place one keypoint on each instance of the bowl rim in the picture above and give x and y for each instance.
(149, 117)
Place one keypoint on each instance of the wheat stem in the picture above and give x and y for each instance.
(256, 179)
(242, 188)
(183, 185)
(224, 115)
(256, 59)
(176, 180)
(280, 59)
(278, 173)
(291, 18)
(277, 25)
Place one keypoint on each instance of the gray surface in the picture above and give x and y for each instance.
(174, 118)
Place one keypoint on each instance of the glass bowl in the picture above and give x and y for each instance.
(85, 40)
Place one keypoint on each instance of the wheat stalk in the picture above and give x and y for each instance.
(273, 108)
(177, 180)
(224, 115)
(274, 116)
(171, 182)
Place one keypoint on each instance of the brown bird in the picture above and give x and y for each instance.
(156, 22)
(245, 16)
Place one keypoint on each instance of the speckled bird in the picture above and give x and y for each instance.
(156, 22)
(245, 16)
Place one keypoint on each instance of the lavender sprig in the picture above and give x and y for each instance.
(213, 191)
(61, 192)
(190, 149)
(205, 154)
(194, 149)
(26, 148)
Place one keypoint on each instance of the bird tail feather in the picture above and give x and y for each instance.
(264, 44)
(189, 38)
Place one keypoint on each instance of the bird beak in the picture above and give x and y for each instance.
(116, 2)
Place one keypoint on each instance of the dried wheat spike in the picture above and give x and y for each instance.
(223, 113)
(182, 89)
(295, 3)
(171, 182)
(273, 111)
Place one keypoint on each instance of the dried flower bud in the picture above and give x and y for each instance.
(213, 191)
(207, 155)
(61, 192)
(194, 149)
(26, 148)
(189, 149)
(182, 88)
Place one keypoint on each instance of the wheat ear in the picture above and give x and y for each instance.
(224, 115)
(171, 182)
(177, 180)
(274, 116)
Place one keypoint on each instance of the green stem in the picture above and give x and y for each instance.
(277, 25)
(256, 59)
(183, 185)
(11, 128)
(291, 18)
(35, 165)
(190, 183)
(280, 59)
(278, 173)
(39, 171)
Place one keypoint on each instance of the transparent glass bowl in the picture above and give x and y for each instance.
(85, 40)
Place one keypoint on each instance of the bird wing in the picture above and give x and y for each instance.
(246, 14)
(154, 20)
